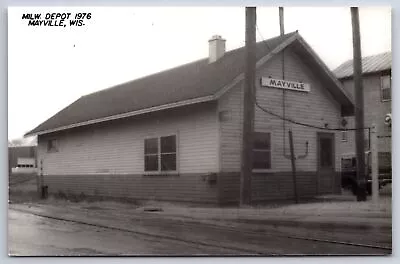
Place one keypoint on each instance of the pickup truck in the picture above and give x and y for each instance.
(349, 173)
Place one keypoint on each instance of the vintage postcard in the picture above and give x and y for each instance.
(199, 131)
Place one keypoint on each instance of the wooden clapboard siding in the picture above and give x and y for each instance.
(117, 148)
(231, 107)
(317, 107)
(228, 187)
(183, 187)
(279, 185)
(276, 186)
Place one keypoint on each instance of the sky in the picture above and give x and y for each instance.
(51, 67)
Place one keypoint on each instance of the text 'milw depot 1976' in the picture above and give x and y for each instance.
(56, 19)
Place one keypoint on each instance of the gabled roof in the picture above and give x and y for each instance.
(196, 82)
(370, 64)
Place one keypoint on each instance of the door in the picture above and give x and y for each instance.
(325, 163)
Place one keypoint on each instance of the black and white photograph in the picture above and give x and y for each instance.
(199, 131)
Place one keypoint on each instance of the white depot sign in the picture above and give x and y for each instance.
(282, 84)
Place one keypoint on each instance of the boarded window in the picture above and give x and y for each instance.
(160, 154)
(52, 145)
(386, 88)
(262, 150)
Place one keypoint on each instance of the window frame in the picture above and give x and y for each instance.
(54, 148)
(153, 154)
(159, 171)
(344, 132)
(261, 170)
(390, 88)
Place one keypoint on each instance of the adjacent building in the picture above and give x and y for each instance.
(176, 135)
(22, 159)
(377, 87)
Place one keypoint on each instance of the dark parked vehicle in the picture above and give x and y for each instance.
(349, 173)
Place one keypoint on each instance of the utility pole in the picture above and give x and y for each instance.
(359, 107)
(281, 21)
(374, 164)
(293, 159)
(248, 108)
(41, 180)
(282, 32)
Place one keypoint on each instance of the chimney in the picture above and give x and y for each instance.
(216, 48)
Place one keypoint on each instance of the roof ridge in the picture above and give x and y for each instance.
(363, 58)
(186, 64)
(196, 79)
(145, 76)
(371, 63)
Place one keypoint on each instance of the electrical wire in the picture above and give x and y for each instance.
(304, 124)
(291, 120)
(262, 38)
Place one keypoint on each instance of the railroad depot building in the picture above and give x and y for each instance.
(176, 135)
(377, 89)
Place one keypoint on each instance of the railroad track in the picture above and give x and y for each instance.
(243, 250)
(249, 252)
(279, 234)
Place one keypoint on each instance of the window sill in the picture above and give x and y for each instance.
(260, 171)
(161, 174)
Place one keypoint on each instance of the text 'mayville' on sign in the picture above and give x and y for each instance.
(282, 84)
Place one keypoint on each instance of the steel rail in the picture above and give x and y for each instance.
(291, 237)
(165, 237)
(217, 227)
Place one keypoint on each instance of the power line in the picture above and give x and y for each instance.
(304, 124)
(262, 38)
(291, 120)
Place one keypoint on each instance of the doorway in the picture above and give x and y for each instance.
(325, 163)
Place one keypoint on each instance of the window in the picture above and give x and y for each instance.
(52, 145)
(344, 136)
(160, 154)
(262, 151)
(151, 154)
(168, 153)
(348, 163)
(385, 159)
(386, 88)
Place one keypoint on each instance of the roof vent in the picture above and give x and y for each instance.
(216, 48)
